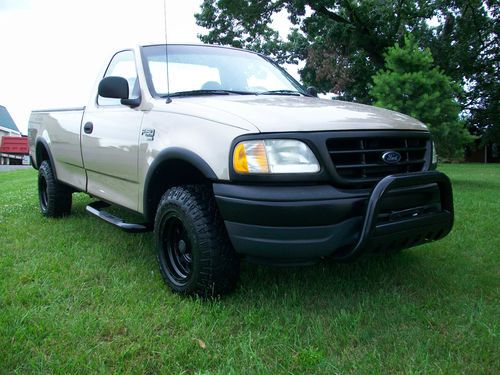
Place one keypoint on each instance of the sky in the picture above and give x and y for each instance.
(52, 50)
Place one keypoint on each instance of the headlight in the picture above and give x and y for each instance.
(274, 156)
(434, 154)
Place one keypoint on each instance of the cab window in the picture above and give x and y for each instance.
(122, 65)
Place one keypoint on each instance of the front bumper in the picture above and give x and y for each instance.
(290, 224)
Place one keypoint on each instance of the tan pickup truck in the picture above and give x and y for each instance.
(226, 157)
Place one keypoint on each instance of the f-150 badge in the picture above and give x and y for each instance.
(149, 134)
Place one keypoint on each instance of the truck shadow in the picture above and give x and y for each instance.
(301, 285)
(328, 279)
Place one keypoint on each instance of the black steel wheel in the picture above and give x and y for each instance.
(55, 198)
(177, 251)
(194, 252)
(43, 192)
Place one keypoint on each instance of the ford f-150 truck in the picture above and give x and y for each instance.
(226, 156)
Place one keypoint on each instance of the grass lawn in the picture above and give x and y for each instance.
(78, 295)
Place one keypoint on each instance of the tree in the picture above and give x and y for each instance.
(465, 46)
(411, 85)
(343, 42)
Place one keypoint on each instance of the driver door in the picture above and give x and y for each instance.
(110, 140)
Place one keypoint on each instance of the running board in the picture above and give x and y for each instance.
(96, 208)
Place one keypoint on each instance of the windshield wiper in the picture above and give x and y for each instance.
(208, 92)
(280, 92)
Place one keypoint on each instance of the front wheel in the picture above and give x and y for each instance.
(55, 197)
(194, 252)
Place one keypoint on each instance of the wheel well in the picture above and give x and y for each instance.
(169, 173)
(41, 154)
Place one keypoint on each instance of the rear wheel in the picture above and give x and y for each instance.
(55, 198)
(194, 252)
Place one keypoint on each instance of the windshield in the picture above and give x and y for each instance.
(206, 69)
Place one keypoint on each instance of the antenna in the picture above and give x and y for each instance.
(169, 100)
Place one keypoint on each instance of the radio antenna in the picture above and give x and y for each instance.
(169, 100)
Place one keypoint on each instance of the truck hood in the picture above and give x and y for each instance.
(293, 113)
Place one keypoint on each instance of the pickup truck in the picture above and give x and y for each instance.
(226, 157)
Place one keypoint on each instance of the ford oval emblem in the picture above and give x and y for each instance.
(391, 157)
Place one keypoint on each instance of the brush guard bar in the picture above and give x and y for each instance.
(407, 232)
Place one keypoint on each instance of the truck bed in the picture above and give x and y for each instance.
(59, 130)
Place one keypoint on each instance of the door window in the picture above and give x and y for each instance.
(122, 65)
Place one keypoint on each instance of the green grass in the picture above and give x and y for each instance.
(79, 296)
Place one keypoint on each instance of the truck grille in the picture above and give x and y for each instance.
(360, 159)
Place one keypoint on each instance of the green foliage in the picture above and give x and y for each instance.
(466, 46)
(79, 296)
(411, 85)
(343, 43)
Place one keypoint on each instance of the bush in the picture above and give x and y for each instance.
(411, 85)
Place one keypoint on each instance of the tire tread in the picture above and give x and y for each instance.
(59, 196)
(219, 264)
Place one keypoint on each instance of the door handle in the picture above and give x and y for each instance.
(88, 128)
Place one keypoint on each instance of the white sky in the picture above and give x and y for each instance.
(52, 50)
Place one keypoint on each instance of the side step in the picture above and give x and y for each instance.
(96, 208)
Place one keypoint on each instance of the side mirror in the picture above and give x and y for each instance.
(117, 88)
(311, 90)
(113, 87)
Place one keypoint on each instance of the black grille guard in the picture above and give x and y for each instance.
(406, 232)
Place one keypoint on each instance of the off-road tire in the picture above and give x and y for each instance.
(195, 255)
(55, 198)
